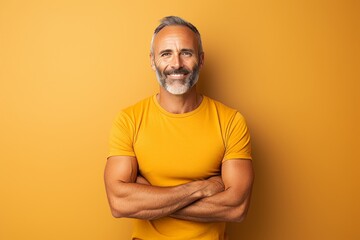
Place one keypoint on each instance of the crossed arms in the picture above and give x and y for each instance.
(222, 198)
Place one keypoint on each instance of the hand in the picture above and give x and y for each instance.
(141, 180)
(214, 186)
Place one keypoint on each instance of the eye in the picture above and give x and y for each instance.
(186, 53)
(165, 54)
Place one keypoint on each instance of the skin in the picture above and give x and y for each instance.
(220, 198)
(176, 47)
(132, 196)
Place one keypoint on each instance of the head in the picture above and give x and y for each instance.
(176, 54)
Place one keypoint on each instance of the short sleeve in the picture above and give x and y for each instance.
(237, 142)
(121, 136)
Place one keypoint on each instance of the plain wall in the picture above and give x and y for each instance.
(290, 67)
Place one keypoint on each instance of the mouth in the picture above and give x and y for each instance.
(177, 76)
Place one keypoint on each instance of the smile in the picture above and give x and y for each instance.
(177, 75)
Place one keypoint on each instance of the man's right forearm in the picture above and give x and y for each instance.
(142, 201)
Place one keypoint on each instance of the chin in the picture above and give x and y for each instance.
(177, 90)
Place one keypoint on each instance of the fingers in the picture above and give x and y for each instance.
(141, 180)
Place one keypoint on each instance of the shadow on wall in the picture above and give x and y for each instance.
(258, 220)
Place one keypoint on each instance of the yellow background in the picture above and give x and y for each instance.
(291, 67)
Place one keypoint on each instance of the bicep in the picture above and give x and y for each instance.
(120, 169)
(238, 176)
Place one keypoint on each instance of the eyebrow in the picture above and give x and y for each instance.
(165, 51)
(182, 50)
(187, 50)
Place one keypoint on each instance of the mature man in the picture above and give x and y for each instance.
(180, 162)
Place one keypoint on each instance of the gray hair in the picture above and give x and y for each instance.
(176, 21)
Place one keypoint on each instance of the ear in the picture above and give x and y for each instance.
(201, 59)
(152, 61)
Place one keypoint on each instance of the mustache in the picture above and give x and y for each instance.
(177, 71)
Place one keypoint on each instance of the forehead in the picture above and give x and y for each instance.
(175, 37)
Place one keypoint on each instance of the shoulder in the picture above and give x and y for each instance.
(134, 113)
(224, 111)
(139, 106)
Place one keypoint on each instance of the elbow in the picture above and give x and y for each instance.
(239, 213)
(116, 213)
(119, 209)
(240, 210)
(121, 213)
(240, 218)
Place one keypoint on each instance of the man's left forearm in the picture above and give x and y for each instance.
(230, 205)
(222, 207)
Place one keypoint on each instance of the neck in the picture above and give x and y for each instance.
(179, 104)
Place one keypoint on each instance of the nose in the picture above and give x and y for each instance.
(176, 61)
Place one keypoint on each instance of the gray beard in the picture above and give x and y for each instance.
(173, 86)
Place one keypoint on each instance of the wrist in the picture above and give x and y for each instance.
(197, 189)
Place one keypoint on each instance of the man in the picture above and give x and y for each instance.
(180, 162)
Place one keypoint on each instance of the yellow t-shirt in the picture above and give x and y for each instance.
(173, 149)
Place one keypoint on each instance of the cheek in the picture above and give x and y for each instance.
(192, 63)
(161, 64)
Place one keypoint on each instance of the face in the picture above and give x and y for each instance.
(175, 59)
